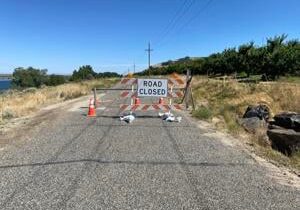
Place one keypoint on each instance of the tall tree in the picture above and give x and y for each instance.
(84, 73)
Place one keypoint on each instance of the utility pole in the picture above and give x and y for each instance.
(134, 68)
(149, 50)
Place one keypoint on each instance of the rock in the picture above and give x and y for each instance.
(286, 141)
(273, 126)
(260, 111)
(297, 125)
(288, 120)
(252, 124)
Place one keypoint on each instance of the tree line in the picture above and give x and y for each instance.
(86, 73)
(33, 77)
(278, 57)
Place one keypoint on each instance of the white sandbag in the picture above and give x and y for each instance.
(128, 118)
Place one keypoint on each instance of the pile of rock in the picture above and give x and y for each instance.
(284, 132)
(255, 118)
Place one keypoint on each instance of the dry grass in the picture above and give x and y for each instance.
(229, 100)
(15, 104)
(237, 96)
(285, 95)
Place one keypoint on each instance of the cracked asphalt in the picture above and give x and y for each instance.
(74, 162)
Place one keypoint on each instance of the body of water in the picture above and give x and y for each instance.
(4, 84)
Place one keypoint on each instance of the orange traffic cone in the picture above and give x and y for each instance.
(161, 101)
(92, 110)
(137, 101)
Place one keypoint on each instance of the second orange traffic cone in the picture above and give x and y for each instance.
(137, 101)
(92, 110)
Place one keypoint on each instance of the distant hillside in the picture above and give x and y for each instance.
(178, 61)
(179, 66)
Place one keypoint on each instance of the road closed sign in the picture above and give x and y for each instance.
(152, 87)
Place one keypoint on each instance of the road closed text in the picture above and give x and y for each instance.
(152, 87)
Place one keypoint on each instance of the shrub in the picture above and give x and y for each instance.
(203, 113)
(30, 77)
(55, 80)
(83, 73)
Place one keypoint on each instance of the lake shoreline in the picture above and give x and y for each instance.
(5, 85)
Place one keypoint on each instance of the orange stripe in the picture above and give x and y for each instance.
(179, 94)
(134, 107)
(180, 81)
(156, 107)
(145, 107)
(134, 95)
(124, 81)
(177, 106)
(171, 82)
(174, 75)
(123, 107)
(125, 93)
(133, 81)
(166, 107)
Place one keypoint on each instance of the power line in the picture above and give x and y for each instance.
(197, 14)
(171, 22)
(192, 18)
(177, 19)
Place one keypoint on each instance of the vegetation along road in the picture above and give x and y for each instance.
(68, 161)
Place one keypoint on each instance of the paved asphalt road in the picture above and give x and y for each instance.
(74, 162)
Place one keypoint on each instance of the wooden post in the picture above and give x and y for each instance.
(193, 102)
(95, 97)
(131, 98)
(170, 99)
(187, 88)
(171, 91)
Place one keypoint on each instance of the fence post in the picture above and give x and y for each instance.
(187, 88)
(170, 99)
(131, 98)
(95, 97)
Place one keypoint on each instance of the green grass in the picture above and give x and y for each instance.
(229, 114)
(202, 113)
(276, 156)
(295, 160)
(291, 79)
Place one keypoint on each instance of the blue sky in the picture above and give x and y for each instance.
(110, 35)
